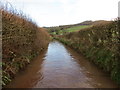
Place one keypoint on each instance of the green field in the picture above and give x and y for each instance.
(77, 28)
(63, 30)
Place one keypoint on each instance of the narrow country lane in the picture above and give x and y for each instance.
(61, 67)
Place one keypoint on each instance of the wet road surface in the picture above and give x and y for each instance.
(61, 67)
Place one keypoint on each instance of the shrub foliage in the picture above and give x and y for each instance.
(22, 40)
(101, 44)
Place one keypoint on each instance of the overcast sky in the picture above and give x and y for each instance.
(62, 12)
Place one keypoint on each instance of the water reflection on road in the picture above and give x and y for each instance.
(61, 67)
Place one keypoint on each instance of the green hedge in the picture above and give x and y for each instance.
(101, 44)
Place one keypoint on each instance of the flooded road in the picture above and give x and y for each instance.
(61, 67)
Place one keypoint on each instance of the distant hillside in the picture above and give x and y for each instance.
(59, 30)
(93, 22)
(101, 22)
(85, 23)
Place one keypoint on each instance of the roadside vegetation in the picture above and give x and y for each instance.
(22, 41)
(100, 44)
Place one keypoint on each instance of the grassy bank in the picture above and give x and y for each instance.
(22, 40)
(101, 44)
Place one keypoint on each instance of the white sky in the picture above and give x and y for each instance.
(62, 12)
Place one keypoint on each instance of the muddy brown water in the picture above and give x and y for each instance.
(61, 67)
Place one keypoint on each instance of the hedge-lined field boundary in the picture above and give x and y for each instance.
(22, 40)
(101, 44)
